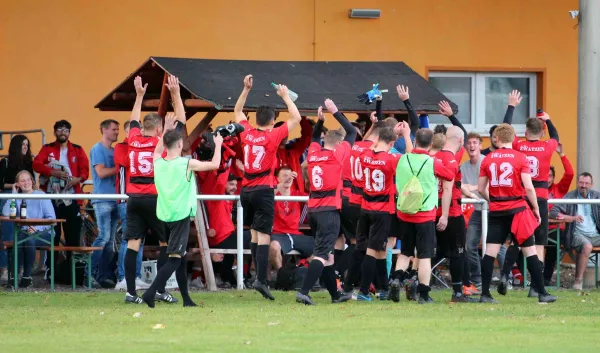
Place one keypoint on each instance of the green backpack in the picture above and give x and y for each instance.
(411, 197)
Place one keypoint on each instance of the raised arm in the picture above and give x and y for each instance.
(239, 105)
(569, 174)
(372, 127)
(514, 98)
(341, 118)
(413, 118)
(173, 86)
(170, 124)
(446, 110)
(316, 132)
(379, 108)
(551, 129)
(140, 90)
(403, 130)
(197, 166)
(295, 116)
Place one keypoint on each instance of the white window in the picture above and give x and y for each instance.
(482, 98)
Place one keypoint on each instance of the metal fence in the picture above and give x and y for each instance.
(240, 210)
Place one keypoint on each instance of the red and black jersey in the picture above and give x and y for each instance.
(539, 155)
(121, 157)
(140, 179)
(324, 170)
(379, 170)
(355, 170)
(287, 215)
(503, 168)
(260, 155)
(447, 157)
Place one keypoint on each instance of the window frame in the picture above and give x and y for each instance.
(478, 123)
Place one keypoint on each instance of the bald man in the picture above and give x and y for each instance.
(450, 223)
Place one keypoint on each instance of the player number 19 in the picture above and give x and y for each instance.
(374, 180)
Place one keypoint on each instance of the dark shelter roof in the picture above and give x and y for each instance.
(218, 83)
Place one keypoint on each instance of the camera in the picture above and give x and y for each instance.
(206, 149)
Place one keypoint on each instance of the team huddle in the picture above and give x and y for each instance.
(382, 196)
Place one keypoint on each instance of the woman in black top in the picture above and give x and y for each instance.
(19, 158)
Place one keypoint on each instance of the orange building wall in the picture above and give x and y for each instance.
(59, 58)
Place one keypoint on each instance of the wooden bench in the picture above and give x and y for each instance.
(83, 253)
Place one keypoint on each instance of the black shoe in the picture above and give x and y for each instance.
(302, 299)
(130, 299)
(107, 284)
(26, 282)
(384, 295)
(487, 299)
(343, 297)
(461, 298)
(165, 297)
(422, 300)
(395, 290)
(546, 298)
(263, 289)
(532, 293)
(503, 285)
(410, 287)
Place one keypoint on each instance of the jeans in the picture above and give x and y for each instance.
(107, 218)
(122, 208)
(26, 251)
(7, 229)
(473, 240)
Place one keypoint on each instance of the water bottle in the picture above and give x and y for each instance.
(540, 112)
(293, 95)
(13, 209)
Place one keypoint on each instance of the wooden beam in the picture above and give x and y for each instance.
(188, 103)
(207, 268)
(165, 96)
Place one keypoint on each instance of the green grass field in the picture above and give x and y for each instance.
(244, 322)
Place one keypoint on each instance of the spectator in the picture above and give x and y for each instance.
(103, 176)
(290, 154)
(221, 231)
(122, 168)
(470, 177)
(63, 166)
(24, 183)
(492, 147)
(556, 191)
(286, 233)
(582, 231)
(19, 158)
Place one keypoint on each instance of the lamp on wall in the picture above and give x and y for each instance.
(364, 13)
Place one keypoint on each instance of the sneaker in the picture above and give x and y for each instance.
(546, 298)
(422, 300)
(26, 282)
(95, 283)
(503, 285)
(344, 297)
(107, 284)
(395, 290)
(130, 299)
(384, 295)
(263, 289)
(197, 283)
(532, 293)
(364, 298)
(578, 285)
(302, 299)
(165, 297)
(462, 298)
(410, 287)
(487, 299)
(471, 290)
(122, 285)
(140, 284)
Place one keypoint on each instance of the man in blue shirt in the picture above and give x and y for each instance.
(107, 216)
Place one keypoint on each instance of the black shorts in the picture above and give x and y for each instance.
(451, 241)
(420, 236)
(231, 241)
(259, 209)
(141, 216)
(179, 232)
(326, 225)
(303, 244)
(373, 230)
(541, 232)
(499, 230)
(349, 218)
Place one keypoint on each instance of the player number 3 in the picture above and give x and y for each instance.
(317, 181)
(505, 178)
